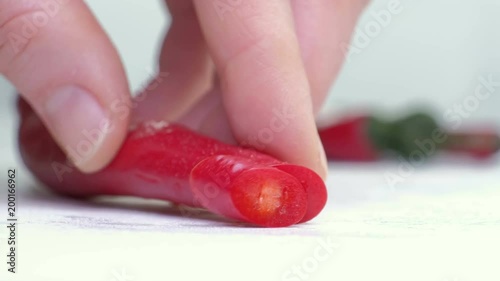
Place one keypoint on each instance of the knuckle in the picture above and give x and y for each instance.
(250, 46)
(260, 61)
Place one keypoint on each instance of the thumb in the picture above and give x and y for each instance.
(60, 60)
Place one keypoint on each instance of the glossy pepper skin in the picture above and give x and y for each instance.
(169, 162)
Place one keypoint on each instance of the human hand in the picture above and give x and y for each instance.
(274, 62)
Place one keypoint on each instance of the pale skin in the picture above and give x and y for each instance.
(254, 73)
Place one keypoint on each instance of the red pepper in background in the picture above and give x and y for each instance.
(169, 162)
(354, 139)
(480, 144)
(368, 138)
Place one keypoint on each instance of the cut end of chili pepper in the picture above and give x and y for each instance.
(314, 186)
(239, 188)
(269, 197)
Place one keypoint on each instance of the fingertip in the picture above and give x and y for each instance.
(321, 160)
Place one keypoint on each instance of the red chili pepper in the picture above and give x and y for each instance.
(480, 144)
(367, 138)
(169, 162)
(350, 139)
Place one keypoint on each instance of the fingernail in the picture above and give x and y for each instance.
(77, 122)
(323, 163)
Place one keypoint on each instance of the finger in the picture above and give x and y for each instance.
(323, 26)
(185, 68)
(209, 118)
(63, 64)
(264, 84)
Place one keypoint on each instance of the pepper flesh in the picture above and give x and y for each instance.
(169, 162)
